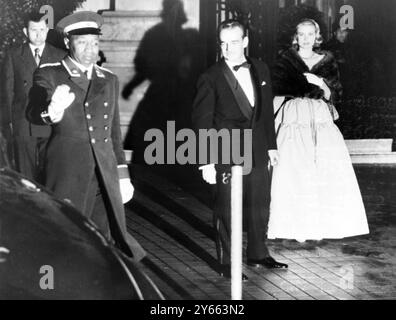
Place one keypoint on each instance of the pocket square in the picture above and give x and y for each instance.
(263, 83)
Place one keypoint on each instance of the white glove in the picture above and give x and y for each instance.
(209, 173)
(314, 79)
(127, 190)
(61, 100)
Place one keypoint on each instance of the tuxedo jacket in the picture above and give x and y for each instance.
(87, 141)
(220, 103)
(17, 79)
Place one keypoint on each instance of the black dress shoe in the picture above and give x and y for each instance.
(225, 272)
(267, 262)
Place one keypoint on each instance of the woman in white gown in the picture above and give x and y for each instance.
(315, 194)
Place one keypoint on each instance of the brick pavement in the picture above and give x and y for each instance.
(175, 228)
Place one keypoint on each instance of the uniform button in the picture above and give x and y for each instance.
(106, 128)
(105, 116)
(106, 104)
(93, 141)
(88, 116)
(105, 140)
(90, 128)
(86, 104)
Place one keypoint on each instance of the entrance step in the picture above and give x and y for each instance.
(371, 151)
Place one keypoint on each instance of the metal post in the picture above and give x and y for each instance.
(236, 233)
(112, 5)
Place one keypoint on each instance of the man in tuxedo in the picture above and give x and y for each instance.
(236, 93)
(26, 141)
(84, 160)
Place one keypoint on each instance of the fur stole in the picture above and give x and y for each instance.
(288, 78)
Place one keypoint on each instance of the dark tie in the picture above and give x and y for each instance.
(242, 65)
(37, 56)
(86, 74)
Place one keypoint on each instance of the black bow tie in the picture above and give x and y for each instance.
(242, 65)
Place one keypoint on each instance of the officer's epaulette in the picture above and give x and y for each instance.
(50, 64)
(104, 69)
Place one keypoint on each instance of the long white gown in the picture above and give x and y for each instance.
(314, 193)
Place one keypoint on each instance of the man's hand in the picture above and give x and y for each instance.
(127, 190)
(314, 79)
(274, 157)
(61, 100)
(209, 173)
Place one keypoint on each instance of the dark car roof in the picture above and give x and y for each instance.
(40, 233)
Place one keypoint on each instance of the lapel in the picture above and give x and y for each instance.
(237, 91)
(75, 75)
(45, 56)
(28, 59)
(97, 83)
(257, 80)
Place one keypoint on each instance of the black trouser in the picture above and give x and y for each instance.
(28, 155)
(256, 200)
(97, 206)
(98, 209)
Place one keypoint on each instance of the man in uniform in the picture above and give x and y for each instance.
(84, 161)
(26, 141)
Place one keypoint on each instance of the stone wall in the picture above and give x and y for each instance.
(122, 32)
(371, 117)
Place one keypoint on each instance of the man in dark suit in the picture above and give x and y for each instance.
(236, 93)
(26, 141)
(84, 160)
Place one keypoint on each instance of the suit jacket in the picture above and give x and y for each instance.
(222, 104)
(17, 79)
(88, 138)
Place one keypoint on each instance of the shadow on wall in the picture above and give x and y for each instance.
(169, 57)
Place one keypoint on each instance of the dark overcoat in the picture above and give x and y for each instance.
(26, 141)
(17, 74)
(88, 138)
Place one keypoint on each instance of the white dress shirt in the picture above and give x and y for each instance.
(33, 49)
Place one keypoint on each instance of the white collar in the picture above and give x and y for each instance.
(232, 64)
(33, 48)
(83, 68)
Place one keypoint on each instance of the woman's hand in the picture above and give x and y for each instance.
(318, 81)
(314, 79)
